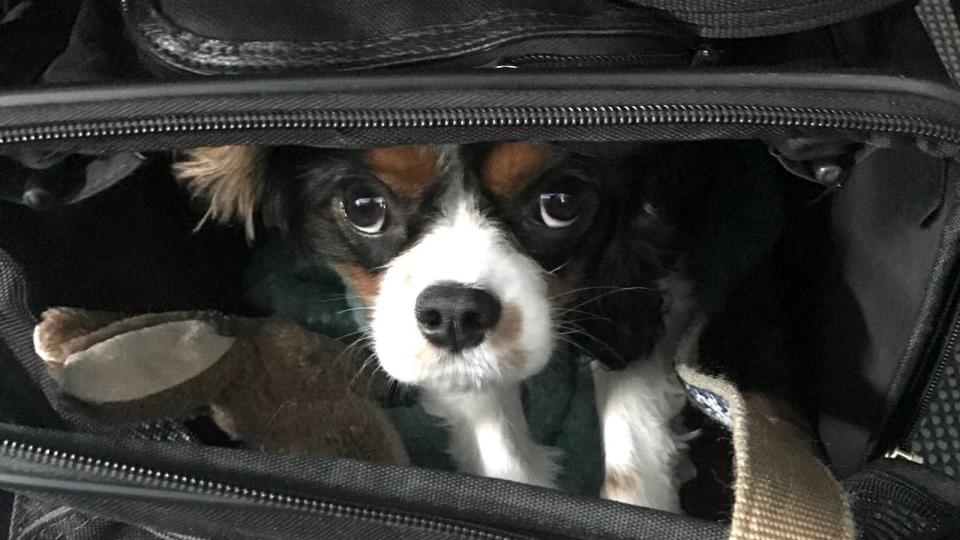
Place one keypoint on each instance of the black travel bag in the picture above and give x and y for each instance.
(846, 112)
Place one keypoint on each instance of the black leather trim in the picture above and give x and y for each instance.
(178, 49)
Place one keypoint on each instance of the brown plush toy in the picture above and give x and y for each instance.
(268, 383)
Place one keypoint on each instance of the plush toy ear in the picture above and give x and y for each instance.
(133, 369)
(229, 178)
(142, 363)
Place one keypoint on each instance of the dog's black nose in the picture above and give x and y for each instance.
(455, 316)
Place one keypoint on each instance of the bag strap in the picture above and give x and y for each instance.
(782, 491)
(940, 22)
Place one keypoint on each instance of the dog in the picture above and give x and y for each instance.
(473, 264)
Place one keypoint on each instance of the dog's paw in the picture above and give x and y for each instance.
(543, 466)
(523, 461)
(650, 491)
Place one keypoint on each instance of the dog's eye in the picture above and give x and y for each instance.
(560, 209)
(365, 210)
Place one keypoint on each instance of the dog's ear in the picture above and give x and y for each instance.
(229, 178)
(620, 308)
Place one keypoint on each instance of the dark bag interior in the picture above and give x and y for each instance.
(815, 148)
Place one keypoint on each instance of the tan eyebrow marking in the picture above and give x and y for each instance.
(408, 170)
(511, 167)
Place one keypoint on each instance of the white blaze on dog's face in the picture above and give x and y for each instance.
(461, 255)
(462, 307)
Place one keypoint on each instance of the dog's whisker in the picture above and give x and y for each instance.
(566, 311)
(575, 330)
(561, 309)
(576, 345)
(581, 319)
(611, 288)
(619, 290)
(590, 288)
(587, 353)
(346, 355)
(359, 373)
(364, 343)
(364, 335)
(372, 378)
(591, 317)
(564, 326)
(567, 330)
(332, 298)
(600, 287)
(359, 308)
(394, 385)
(350, 334)
(558, 268)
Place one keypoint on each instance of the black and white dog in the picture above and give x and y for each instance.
(474, 263)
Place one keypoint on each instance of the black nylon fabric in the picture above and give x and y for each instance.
(32, 33)
(488, 503)
(751, 18)
(54, 518)
(937, 437)
(16, 324)
(899, 500)
(96, 50)
(38, 520)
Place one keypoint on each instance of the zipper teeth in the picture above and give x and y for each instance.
(186, 483)
(604, 58)
(568, 116)
(934, 381)
(946, 352)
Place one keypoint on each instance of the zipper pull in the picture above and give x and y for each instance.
(497, 63)
(828, 173)
(706, 55)
(820, 160)
(898, 453)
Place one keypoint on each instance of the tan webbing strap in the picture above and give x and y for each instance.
(782, 491)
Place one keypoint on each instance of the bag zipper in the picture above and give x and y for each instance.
(507, 117)
(561, 61)
(902, 431)
(934, 381)
(156, 479)
(946, 353)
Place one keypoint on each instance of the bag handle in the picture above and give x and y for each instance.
(782, 491)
